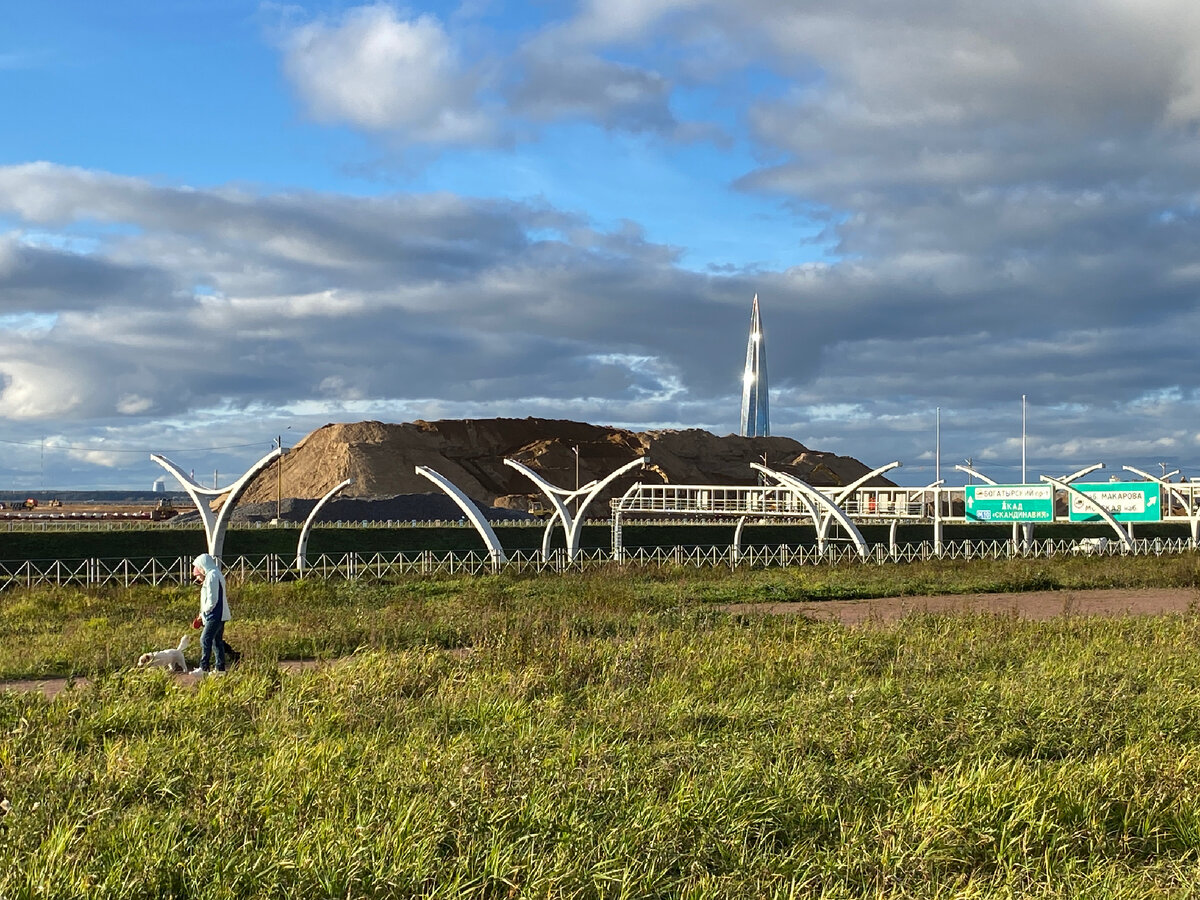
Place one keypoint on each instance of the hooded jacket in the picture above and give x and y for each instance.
(214, 599)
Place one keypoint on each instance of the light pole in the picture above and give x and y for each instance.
(1023, 478)
(937, 445)
(278, 479)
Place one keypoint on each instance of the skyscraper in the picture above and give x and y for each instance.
(756, 405)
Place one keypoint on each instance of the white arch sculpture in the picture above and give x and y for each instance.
(1091, 501)
(572, 527)
(976, 473)
(471, 511)
(832, 509)
(302, 544)
(1075, 476)
(215, 524)
(936, 488)
(1193, 514)
(840, 495)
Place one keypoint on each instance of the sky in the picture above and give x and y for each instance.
(973, 228)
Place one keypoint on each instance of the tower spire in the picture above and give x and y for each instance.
(756, 411)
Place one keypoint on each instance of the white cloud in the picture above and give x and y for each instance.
(375, 70)
(1010, 194)
(608, 21)
(39, 390)
(133, 404)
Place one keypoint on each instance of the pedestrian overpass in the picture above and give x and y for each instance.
(792, 501)
(788, 501)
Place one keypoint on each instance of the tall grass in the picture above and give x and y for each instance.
(681, 755)
(75, 631)
(609, 735)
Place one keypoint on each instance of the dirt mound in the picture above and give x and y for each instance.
(382, 459)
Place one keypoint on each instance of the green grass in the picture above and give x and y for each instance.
(76, 631)
(610, 735)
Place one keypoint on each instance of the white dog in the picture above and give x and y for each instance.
(168, 659)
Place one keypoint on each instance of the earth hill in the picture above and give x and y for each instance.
(381, 459)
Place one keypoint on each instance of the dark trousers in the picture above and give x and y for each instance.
(213, 637)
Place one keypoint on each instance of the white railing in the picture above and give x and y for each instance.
(389, 566)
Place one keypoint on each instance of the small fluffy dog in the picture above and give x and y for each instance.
(167, 659)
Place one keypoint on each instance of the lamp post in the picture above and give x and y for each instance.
(1023, 478)
(937, 444)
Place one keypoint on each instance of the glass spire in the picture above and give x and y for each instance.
(756, 406)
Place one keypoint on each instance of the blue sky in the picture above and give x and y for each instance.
(221, 221)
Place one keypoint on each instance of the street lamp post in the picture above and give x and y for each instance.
(1024, 479)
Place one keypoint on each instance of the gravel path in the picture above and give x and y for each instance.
(1037, 605)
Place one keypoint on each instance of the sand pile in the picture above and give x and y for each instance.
(382, 458)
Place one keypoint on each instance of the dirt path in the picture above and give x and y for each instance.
(1037, 605)
(52, 687)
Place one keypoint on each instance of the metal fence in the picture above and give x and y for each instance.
(377, 567)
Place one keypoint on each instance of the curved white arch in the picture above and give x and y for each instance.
(737, 539)
(853, 486)
(840, 496)
(1075, 476)
(829, 505)
(571, 526)
(215, 524)
(1193, 514)
(975, 473)
(1094, 504)
(302, 544)
(471, 511)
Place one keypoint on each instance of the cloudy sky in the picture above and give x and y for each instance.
(225, 220)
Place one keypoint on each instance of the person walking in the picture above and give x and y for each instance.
(214, 613)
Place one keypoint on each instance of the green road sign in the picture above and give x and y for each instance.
(1009, 503)
(1127, 501)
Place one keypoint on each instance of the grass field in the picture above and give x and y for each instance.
(609, 735)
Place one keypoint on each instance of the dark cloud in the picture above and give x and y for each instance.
(1009, 196)
(36, 279)
(570, 85)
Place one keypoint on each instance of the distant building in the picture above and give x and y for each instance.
(756, 405)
